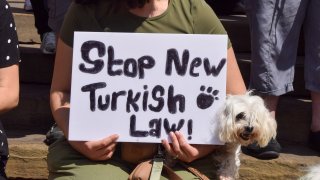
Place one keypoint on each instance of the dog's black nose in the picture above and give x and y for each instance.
(248, 129)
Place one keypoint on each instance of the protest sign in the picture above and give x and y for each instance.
(142, 86)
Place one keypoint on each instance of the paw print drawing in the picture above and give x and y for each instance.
(206, 99)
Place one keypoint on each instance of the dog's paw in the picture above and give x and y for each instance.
(206, 99)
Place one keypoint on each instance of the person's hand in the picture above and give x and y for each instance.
(181, 149)
(96, 150)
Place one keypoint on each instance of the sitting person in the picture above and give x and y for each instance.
(102, 159)
(9, 75)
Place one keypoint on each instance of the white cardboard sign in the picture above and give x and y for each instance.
(142, 86)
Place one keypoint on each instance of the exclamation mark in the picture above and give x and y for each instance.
(190, 127)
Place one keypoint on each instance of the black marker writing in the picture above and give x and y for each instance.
(133, 131)
(173, 57)
(129, 67)
(155, 127)
(181, 66)
(215, 71)
(134, 100)
(91, 88)
(173, 127)
(190, 129)
(98, 63)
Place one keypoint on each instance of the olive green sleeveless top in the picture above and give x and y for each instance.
(181, 17)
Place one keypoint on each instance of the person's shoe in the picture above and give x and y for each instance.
(48, 45)
(27, 5)
(271, 151)
(53, 135)
(314, 140)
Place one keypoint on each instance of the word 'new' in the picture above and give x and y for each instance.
(133, 68)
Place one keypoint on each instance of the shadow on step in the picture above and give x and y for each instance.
(35, 67)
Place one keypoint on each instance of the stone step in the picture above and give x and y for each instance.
(33, 112)
(24, 20)
(35, 67)
(294, 119)
(28, 155)
(28, 160)
(237, 27)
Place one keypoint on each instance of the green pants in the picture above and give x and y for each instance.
(66, 163)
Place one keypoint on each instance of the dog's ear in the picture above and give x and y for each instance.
(226, 123)
(268, 125)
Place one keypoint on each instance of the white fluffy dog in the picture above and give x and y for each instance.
(244, 119)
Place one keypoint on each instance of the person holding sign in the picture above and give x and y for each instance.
(105, 158)
(9, 75)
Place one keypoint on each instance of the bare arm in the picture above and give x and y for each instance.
(235, 83)
(61, 85)
(9, 88)
(179, 146)
(60, 106)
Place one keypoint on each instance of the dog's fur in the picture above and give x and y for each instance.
(243, 120)
(313, 173)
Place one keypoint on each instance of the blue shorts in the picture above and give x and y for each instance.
(275, 28)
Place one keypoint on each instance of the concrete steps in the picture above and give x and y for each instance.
(33, 112)
(35, 67)
(28, 160)
(27, 124)
(28, 156)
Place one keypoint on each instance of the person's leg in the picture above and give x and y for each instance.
(206, 166)
(66, 163)
(315, 124)
(48, 43)
(40, 17)
(312, 59)
(275, 28)
(57, 9)
(314, 135)
(312, 68)
(272, 104)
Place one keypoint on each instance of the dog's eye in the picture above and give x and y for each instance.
(240, 116)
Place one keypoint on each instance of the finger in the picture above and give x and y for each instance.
(105, 142)
(103, 154)
(183, 143)
(185, 146)
(167, 146)
(106, 156)
(107, 149)
(175, 143)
